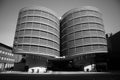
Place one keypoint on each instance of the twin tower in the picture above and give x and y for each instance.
(40, 32)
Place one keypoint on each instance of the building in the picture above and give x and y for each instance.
(83, 36)
(113, 51)
(7, 58)
(81, 40)
(37, 35)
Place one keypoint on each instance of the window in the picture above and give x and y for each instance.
(26, 47)
(71, 44)
(19, 47)
(93, 33)
(42, 49)
(36, 18)
(27, 32)
(95, 47)
(20, 39)
(35, 32)
(43, 42)
(35, 40)
(72, 51)
(78, 42)
(43, 34)
(29, 24)
(2, 58)
(87, 48)
(0, 51)
(34, 48)
(79, 50)
(76, 20)
(86, 33)
(77, 27)
(50, 36)
(100, 33)
(37, 12)
(86, 40)
(78, 35)
(26, 39)
(30, 12)
(29, 18)
(44, 27)
(21, 32)
(50, 43)
(102, 40)
(94, 40)
(56, 45)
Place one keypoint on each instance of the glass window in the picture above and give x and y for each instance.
(71, 44)
(35, 40)
(49, 50)
(27, 31)
(50, 36)
(34, 48)
(29, 18)
(50, 43)
(78, 42)
(86, 41)
(87, 48)
(30, 12)
(50, 29)
(29, 24)
(0, 51)
(2, 58)
(19, 46)
(27, 39)
(95, 47)
(44, 27)
(79, 50)
(26, 47)
(93, 33)
(42, 50)
(35, 32)
(37, 12)
(36, 25)
(43, 42)
(85, 26)
(85, 33)
(78, 35)
(20, 40)
(102, 40)
(100, 33)
(43, 34)
(72, 51)
(21, 32)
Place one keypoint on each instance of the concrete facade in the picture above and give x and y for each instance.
(37, 32)
(7, 58)
(82, 32)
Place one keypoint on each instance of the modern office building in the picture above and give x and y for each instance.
(83, 35)
(81, 40)
(113, 51)
(7, 58)
(37, 35)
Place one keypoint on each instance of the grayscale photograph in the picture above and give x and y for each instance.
(59, 39)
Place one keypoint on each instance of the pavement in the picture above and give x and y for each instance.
(60, 76)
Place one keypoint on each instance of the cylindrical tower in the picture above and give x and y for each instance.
(37, 32)
(82, 32)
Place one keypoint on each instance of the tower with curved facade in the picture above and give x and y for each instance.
(81, 41)
(83, 34)
(37, 34)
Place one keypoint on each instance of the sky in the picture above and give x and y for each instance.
(9, 10)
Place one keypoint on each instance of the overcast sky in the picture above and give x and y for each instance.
(9, 10)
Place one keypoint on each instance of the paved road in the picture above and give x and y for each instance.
(60, 76)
